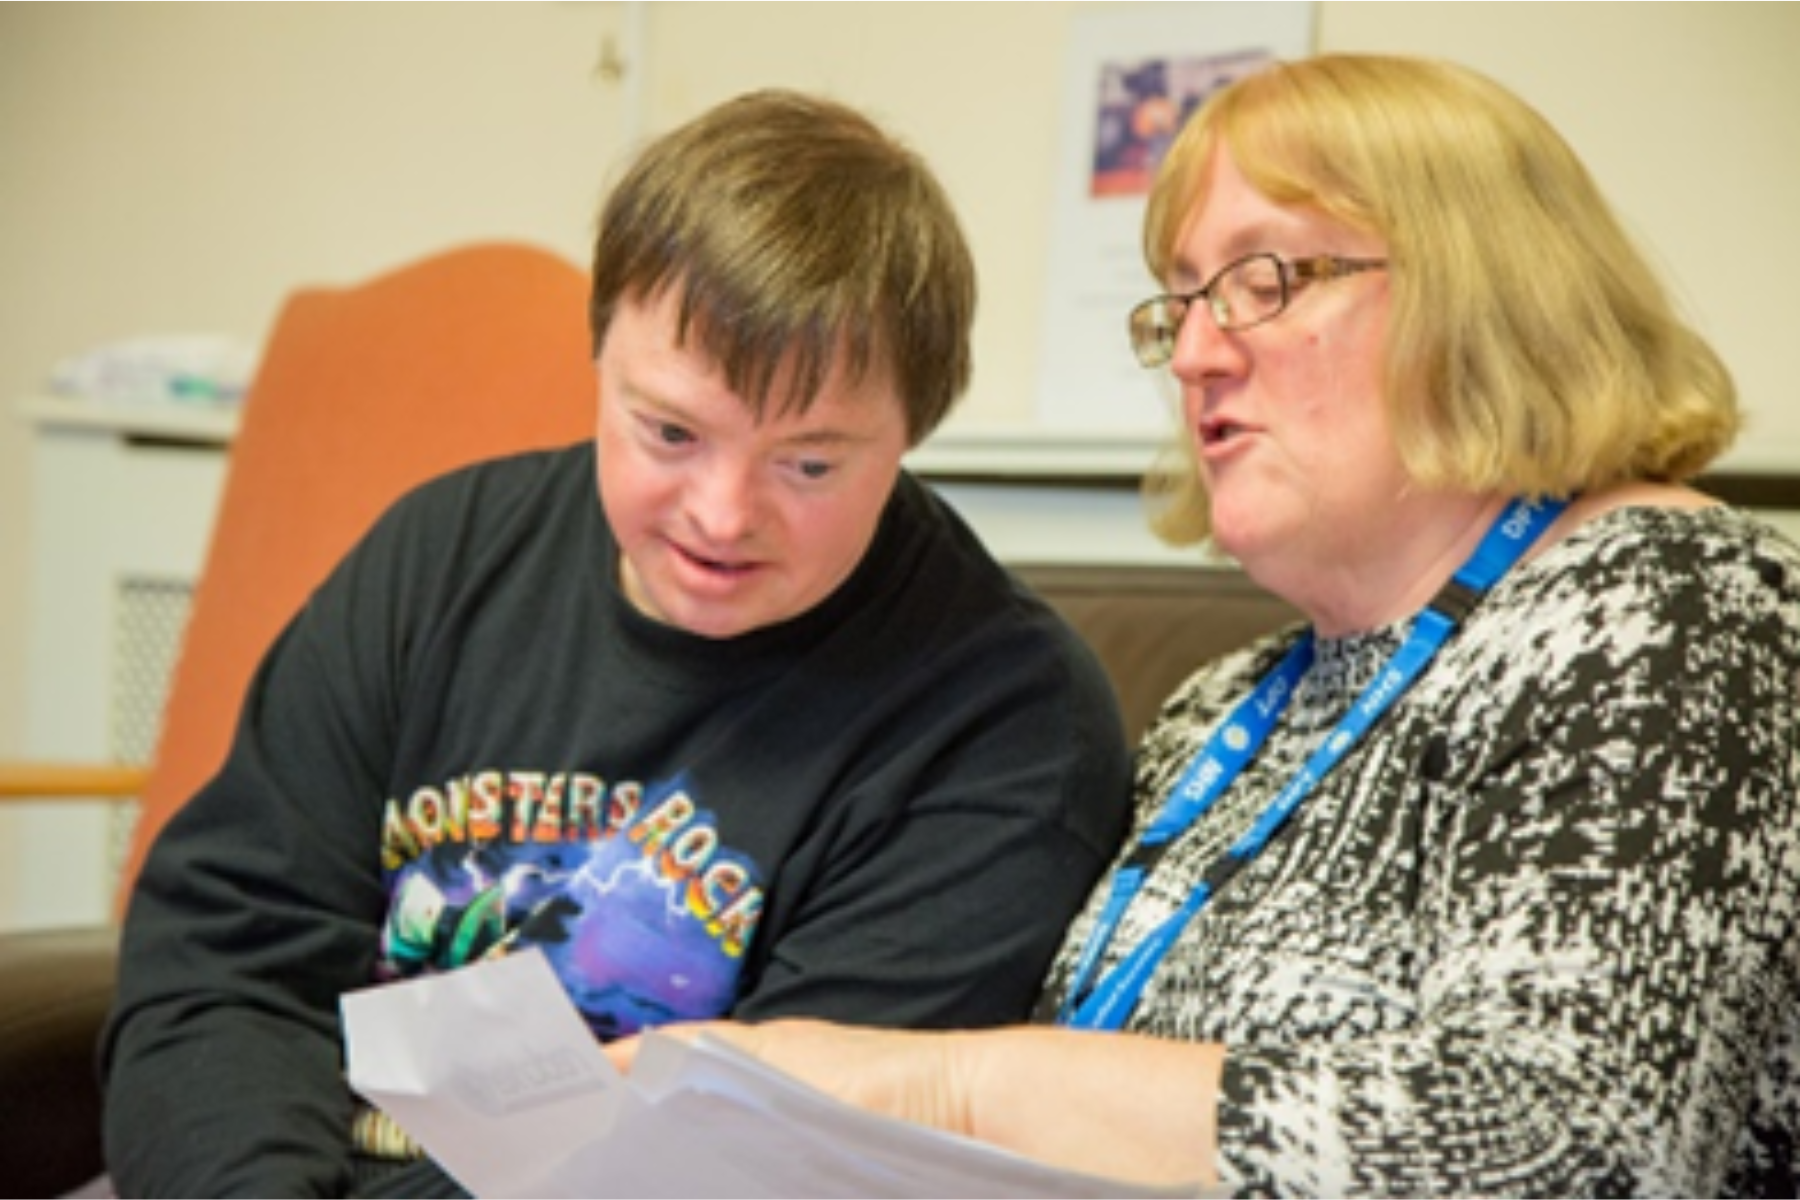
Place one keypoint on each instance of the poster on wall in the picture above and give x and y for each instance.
(1133, 76)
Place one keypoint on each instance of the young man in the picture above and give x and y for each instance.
(723, 713)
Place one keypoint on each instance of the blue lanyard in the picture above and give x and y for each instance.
(1236, 742)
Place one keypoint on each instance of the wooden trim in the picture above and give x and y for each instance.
(38, 781)
(1753, 489)
(1745, 489)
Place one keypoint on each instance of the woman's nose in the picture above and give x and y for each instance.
(1202, 349)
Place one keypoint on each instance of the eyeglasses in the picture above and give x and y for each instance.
(1242, 295)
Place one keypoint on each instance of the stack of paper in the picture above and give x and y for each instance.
(491, 1069)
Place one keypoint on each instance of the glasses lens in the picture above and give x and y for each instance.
(1250, 293)
(1153, 326)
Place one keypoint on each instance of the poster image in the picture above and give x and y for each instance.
(1143, 103)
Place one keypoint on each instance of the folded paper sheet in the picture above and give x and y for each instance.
(493, 1072)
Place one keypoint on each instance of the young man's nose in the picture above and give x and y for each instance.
(722, 501)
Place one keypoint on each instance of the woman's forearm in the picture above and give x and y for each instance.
(1121, 1105)
(1125, 1106)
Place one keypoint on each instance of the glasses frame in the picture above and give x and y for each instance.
(1153, 342)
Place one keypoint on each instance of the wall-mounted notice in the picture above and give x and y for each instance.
(1133, 75)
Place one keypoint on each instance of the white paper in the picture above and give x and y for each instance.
(499, 1081)
(198, 368)
(491, 1069)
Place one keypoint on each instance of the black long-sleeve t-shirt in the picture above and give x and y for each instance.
(882, 811)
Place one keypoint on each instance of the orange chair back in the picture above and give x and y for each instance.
(362, 392)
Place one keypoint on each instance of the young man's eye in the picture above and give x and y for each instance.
(812, 468)
(670, 434)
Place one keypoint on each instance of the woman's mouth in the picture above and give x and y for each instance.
(1217, 433)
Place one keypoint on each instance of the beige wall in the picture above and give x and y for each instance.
(179, 167)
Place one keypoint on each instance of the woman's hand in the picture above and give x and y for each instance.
(899, 1073)
(1120, 1105)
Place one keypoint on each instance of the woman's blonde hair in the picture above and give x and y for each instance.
(1531, 347)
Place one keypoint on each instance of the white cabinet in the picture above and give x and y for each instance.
(122, 504)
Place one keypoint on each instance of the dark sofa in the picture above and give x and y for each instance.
(1150, 624)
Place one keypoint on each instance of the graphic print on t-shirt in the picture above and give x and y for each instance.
(626, 888)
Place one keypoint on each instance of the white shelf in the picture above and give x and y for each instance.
(195, 422)
(1005, 452)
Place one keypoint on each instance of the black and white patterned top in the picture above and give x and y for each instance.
(1536, 934)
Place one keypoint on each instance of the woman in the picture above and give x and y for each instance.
(1485, 881)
